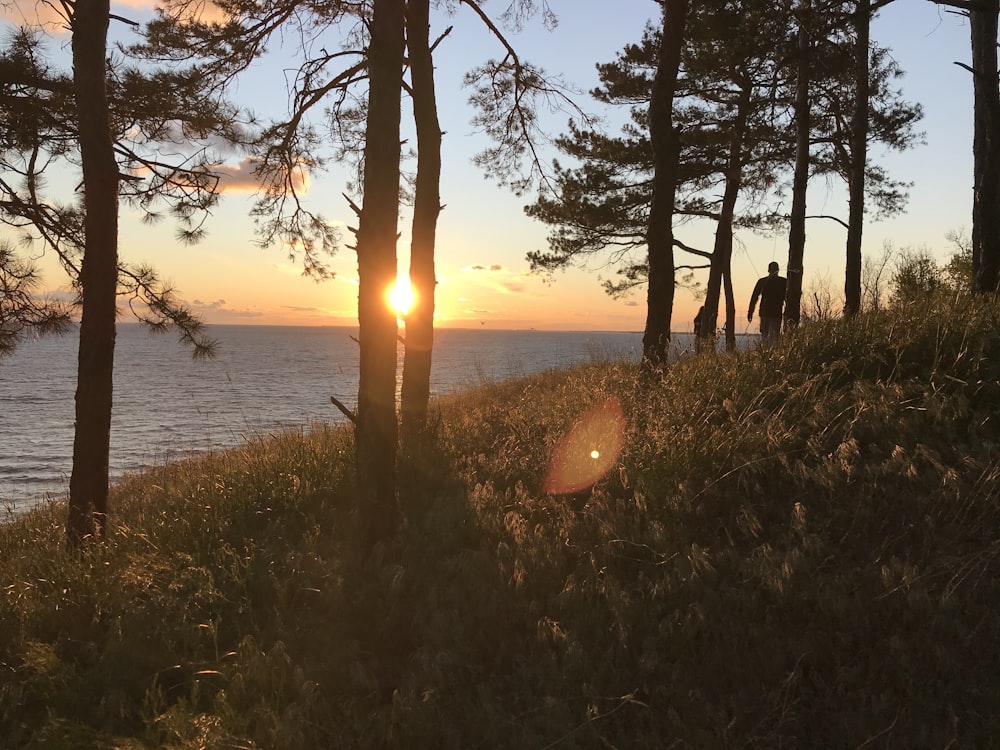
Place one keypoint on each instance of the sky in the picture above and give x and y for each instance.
(483, 232)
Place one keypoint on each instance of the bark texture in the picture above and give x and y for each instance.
(666, 147)
(722, 251)
(88, 501)
(800, 179)
(985, 148)
(859, 157)
(416, 387)
(376, 428)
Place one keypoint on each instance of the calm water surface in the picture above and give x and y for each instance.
(168, 405)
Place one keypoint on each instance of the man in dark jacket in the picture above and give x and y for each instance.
(771, 291)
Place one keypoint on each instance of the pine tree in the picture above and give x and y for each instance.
(419, 346)
(983, 28)
(105, 121)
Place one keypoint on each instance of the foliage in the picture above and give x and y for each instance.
(22, 311)
(599, 212)
(796, 547)
(958, 269)
(917, 275)
(892, 123)
(152, 112)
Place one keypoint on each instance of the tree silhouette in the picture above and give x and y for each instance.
(418, 351)
(665, 140)
(983, 28)
(105, 121)
(375, 429)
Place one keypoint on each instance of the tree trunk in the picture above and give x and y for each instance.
(722, 251)
(88, 499)
(985, 148)
(376, 429)
(800, 180)
(666, 149)
(727, 281)
(859, 158)
(416, 387)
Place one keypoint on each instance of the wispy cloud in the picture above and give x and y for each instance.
(243, 178)
(322, 315)
(220, 306)
(32, 13)
(288, 269)
(45, 14)
(501, 279)
(513, 286)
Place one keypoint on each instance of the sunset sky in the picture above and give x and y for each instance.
(483, 233)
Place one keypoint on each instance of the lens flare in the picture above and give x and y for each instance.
(588, 451)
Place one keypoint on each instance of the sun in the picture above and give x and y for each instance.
(401, 297)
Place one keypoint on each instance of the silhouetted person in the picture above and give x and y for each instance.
(771, 291)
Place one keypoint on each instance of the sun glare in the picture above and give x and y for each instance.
(588, 451)
(401, 297)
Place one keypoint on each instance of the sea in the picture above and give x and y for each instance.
(169, 406)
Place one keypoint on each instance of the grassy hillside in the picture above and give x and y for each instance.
(797, 547)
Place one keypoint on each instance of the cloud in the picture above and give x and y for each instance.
(302, 314)
(238, 178)
(513, 286)
(64, 295)
(288, 269)
(631, 303)
(243, 177)
(501, 279)
(32, 13)
(219, 306)
(203, 10)
(46, 15)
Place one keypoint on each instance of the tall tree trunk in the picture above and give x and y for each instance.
(859, 157)
(722, 251)
(88, 487)
(666, 153)
(416, 387)
(800, 180)
(376, 428)
(985, 148)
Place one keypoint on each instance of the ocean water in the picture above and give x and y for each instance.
(264, 378)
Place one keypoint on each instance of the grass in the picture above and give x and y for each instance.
(797, 547)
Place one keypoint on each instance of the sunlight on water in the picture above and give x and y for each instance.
(168, 406)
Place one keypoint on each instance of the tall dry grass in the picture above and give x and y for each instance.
(796, 547)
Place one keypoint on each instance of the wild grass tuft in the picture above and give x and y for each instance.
(797, 547)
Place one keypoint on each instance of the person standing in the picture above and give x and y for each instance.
(771, 291)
